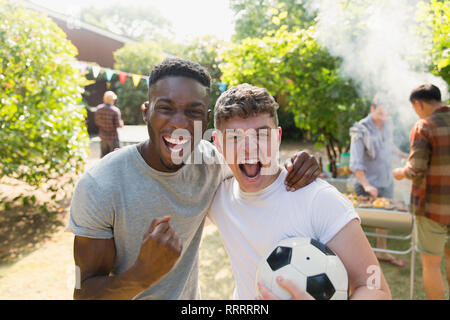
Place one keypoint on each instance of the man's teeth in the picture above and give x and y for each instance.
(176, 141)
(251, 161)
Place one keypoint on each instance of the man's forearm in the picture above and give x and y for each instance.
(361, 177)
(120, 287)
(365, 293)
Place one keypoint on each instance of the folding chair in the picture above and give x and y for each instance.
(396, 221)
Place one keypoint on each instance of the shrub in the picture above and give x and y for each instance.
(42, 128)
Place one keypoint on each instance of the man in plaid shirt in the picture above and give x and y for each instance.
(428, 167)
(108, 119)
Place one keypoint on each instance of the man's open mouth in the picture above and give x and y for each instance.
(175, 144)
(251, 169)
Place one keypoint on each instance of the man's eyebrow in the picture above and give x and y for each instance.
(264, 127)
(196, 104)
(193, 104)
(239, 131)
(163, 100)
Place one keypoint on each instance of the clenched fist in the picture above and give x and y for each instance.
(160, 250)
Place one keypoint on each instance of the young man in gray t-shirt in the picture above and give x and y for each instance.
(138, 214)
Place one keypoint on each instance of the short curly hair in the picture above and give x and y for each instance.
(244, 101)
(181, 68)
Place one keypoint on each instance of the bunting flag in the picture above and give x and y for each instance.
(82, 66)
(95, 71)
(122, 77)
(136, 79)
(222, 86)
(109, 73)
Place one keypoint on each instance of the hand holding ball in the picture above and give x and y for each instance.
(309, 264)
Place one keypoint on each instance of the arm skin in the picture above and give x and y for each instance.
(95, 258)
(399, 173)
(357, 166)
(352, 247)
(361, 177)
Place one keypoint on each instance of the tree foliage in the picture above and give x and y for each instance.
(139, 22)
(435, 21)
(206, 51)
(42, 126)
(305, 79)
(138, 58)
(255, 18)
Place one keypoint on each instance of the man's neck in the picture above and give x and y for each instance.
(378, 124)
(150, 156)
(432, 107)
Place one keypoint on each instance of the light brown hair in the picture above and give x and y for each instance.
(244, 101)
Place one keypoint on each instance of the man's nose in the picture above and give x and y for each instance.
(251, 147)
(179, 120)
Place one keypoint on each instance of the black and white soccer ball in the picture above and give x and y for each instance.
(308, 263)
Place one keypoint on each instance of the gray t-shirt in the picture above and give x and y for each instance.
(378, 170)
(120, 195)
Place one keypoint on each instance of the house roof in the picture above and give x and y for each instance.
(80, 24)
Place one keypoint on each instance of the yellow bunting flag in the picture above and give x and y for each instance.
(136, 79)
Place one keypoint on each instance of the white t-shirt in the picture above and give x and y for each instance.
(251, 224)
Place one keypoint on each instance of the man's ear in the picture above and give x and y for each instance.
(208, 116)
(279, 135)
(217, 139)
(144, 107)
(421, 105)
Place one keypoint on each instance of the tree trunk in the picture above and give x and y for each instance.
(332, 160)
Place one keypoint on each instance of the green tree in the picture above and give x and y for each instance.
(139, 22)
(206, 51)
(42, 126)
(305, 79)
(255, 18)
(137, 58)
(434, 16)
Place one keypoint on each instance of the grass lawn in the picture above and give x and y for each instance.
(216, 279)
(36, 255)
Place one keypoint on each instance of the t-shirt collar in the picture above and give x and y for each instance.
(278, 183)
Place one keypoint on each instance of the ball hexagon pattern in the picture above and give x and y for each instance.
(309, 264)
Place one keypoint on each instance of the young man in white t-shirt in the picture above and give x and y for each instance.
(253, 213)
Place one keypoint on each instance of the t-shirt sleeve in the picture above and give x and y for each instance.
(331, 211)
(357, 155)
(420, 154)
(91, 214)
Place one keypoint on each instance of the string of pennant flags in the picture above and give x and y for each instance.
(109, 73)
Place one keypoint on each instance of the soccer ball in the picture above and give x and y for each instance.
(309, 264)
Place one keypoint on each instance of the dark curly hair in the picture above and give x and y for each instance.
(182, 68)
(244, 101)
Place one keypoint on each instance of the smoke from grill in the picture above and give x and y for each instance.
(381, 49)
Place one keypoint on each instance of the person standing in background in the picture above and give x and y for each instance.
(108, 119)
(428, 167)
(371, 151)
